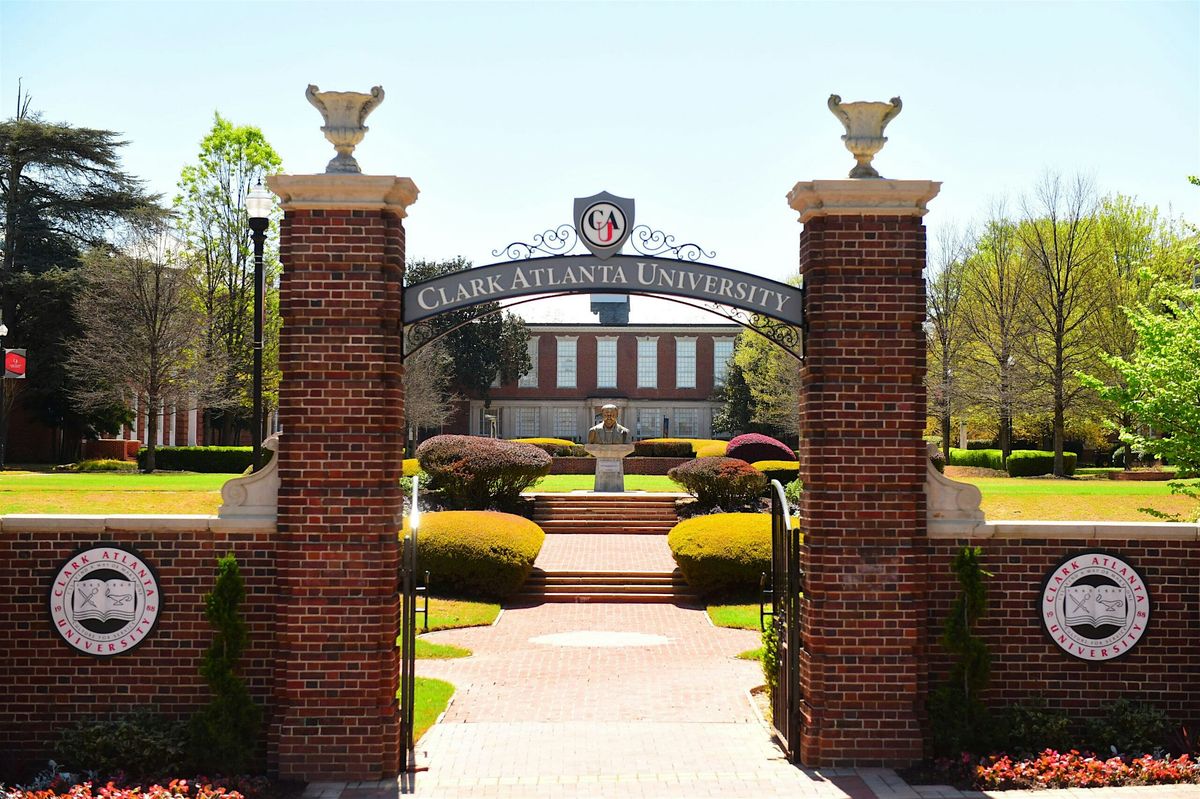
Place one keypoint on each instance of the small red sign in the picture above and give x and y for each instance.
(14, 363)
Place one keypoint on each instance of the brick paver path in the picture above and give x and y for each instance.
(619, 553)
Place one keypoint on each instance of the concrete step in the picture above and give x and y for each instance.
(641, 599)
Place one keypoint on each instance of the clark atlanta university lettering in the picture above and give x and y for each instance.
(104, 600)
(1094, 606)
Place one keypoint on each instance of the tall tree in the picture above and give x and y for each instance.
(428, 399)
(212, 213)
(996, 313)
(1058, 235)
(484, 343)
(62, 189)
(773, 380)
(947, 329)
(141, 328)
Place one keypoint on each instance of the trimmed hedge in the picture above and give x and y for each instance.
(662, 448)
(714, 450)
(555, 447)
(478, 473)
(753, 447)
(723, 553)
(696, 443)
(1031, 463)
(233, 460)
(725, 483)
(476, 553)
(783, 471)
(978, 458)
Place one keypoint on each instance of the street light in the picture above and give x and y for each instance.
(258, 208)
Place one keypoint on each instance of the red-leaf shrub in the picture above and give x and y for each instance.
(1072, 769)
(476, 473)
(753, 447)
(176, 789)
(725, 483)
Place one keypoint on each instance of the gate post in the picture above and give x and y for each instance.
(862, 460)
(335, 715)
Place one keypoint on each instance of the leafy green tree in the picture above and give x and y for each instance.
(62, 189)
(737, 410)
(483, 342)
(947, 332)
(211, 208)
(773, 378)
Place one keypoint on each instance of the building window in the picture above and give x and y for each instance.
(649, 423)
(606, 363)
(647, 363)
(722, 352)
(566, 423)
(526, 422)
(686, 423)
(530, 378)
(566, 361)
(685, 362)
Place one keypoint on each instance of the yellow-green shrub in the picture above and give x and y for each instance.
(694, 443)
(714, 449)
(411, 467)
(555, 447)
(723, 553)
(783, 471)
(562, 442)
(476, 553)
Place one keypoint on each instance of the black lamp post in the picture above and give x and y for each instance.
(258, 208)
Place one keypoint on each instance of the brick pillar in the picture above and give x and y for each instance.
(862, 460)
(335, 714)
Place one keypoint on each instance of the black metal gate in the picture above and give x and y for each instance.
(408, 636)
(784, 590)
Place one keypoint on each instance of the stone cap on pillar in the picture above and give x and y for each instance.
(867, 197)
(332, 191)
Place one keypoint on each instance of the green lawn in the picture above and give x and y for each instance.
(110, 492)
(1006, 498)
(428, 650)
(585, 482)
(741, 617)
(448, 614)
(432, 698)
(750, 654)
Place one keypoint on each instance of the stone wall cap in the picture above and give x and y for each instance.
(1085, 531)
(344, 192)
(864, 197)
(101, 523)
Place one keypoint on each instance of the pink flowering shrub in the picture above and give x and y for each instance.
(477, 473)
(753, 447)
(1073, 769)
(175, 789)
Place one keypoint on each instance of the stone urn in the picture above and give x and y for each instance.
(345, 114)
(610, 468)
(864, 123)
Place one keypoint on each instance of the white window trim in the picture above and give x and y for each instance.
(682, 340)
(654, 372)
(718, 378)
(574, 341)
(530, 378)
(616, 361)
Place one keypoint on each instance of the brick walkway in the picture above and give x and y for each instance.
(584, 552)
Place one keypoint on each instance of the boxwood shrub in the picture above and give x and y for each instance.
(201, 459)
(979, 458)
(477, 473)
(476, 553)
(725, 483)
(753, 447)
(716, 449)
(1030, 463)
(663, 448)
(556, 447)
(723, 554)
(783, 471)
(696, 443)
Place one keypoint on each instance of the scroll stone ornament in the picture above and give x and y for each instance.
(345, 114)
(950, 506)
(864, 123)
(255, 495)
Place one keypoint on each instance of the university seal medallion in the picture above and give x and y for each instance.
(105, 600)
(1094, 606)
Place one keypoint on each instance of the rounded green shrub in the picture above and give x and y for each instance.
(477, 473)
(783, 471)
(476, 553)
(555, 447)
(752, 447)
(978, 458)
(1031, 463)
(723, 553)
(725, 483)
(232, 460)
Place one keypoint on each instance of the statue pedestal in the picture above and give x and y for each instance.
(610, 472)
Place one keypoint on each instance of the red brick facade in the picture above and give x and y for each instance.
(862, 461)
(1163, 669)
(341, 399)
(48, 685)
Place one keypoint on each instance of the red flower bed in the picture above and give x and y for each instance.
(1072, 769)
(176, 789)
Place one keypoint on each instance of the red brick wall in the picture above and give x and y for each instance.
(341, 402)
(1163, 669)
(47, 685)
(863, 465)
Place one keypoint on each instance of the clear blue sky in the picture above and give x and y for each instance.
(705, 113)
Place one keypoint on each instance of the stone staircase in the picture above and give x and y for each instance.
(605, 586)
(617, 514)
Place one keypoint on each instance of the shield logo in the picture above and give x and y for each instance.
(603, 222)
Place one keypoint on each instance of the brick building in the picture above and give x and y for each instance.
(661, 376)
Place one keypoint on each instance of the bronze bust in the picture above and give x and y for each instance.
(608, 431)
